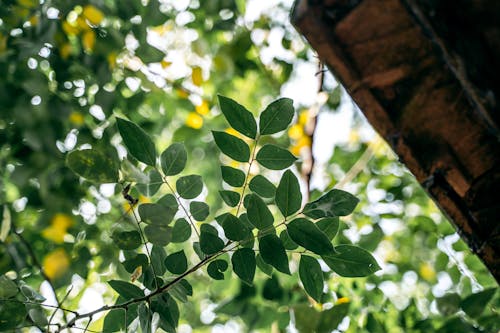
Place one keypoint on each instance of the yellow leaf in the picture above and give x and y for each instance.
(194, 120)
(82, 24)
(29, 3)
(54, 234)
(182, 93)
(196, 76)
(61, 220)
(304, 117)
(203, 108)
(232, 131)
(94, 15)
(88, 40)
(136, 273)
(70, 29)
(342, 300)
(56, 263)
(165, 64)
(296, 131)
(3, 43)
(304, 141)
(76, 118)
(112, 60)
(33, 20)
(427, 272)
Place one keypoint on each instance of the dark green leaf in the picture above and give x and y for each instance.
(265, 268)
(30, 293)
(176, 262)
(274, 157)
(93, 165)
(37, 315)
(168, 310)
(475, 304)
(158, 234)
(216, 268)
(232, 146)
(231, 198)
(232, 176)
(262, 186)
(331, 318)
(132, 263)
(351, 261)
(8, 288)
(272, 251)
(307, 234)
(151, 213)
(277, 116)
(288, 196)
(173, 159)
(168, 200)
(115, 319)
(370, 241)
(181, 231)
(448, 304)
(334, 203)
(288, 243)
(329, 225)
(199, 210)
(126, 290)
(127, 240)
(272, 290)
(234, 229)
(258, 213)
(210, 242)
(144, 317)
(238, 117)
(153, 185)
(243, 261)
(158, 256)
(12, 314)
(311, 275)
(138, 143)
(189, 187)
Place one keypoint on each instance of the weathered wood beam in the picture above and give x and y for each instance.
(415, 90)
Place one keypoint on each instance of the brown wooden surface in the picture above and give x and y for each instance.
(430, 91)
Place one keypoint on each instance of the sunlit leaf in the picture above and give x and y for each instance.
(277, 116)
(238, 117)
(173, 159)
(93, 165)
(232, 176)
(309, 236)
(262, 186)
(189, 187)
(274, 157)
(311, 275)
(243, 261)
(351, 261)
(334, 203)
(199, 210)
(288, 196)
(138, 143)
(232, 146)
(257, 212)
(272, 252)
(176, 262)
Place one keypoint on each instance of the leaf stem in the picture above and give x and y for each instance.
(252, 159)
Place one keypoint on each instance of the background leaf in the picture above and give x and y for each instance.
(475, 304)
(274, 157)
(277, 116)
(238, 117)
(93, 165)
(232, 146)
(138, 143)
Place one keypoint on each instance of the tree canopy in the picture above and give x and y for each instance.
(164, 166)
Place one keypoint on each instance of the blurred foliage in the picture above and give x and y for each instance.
(69, 66)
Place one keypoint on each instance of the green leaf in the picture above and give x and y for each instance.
(176, 262)
(30, 293)
(274, 157)
(277, 116)
(257, 212)
(262, 186)
(151, 213)
(216, 268)
(173, 159)
(138, 143)
(234, 229)
(93, 165)
(158, 234)
(288, 196)
(145, 317)
(351, 261)
(272, 290)
(331, 318)
(329, 226)
(12, 314)
(37, 315)
(189, 187)
(8, 288)
(265, 268)
(309, 236)
(311, 275)
(210, 242)
(231, 198)
(115, 319)
(238, 117)
(475, 304)
(168, 200)
(272, 252)
(334, 203)
(127, 240)
(168, 310)
(126, 290)
(370, 241)
(153, 185)
(158, 256)
(181, 231)
(288, 243)
(232, 146)
(199, 210)
(448, 304)
(243, 261)
(132, 263)
(232, 176)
